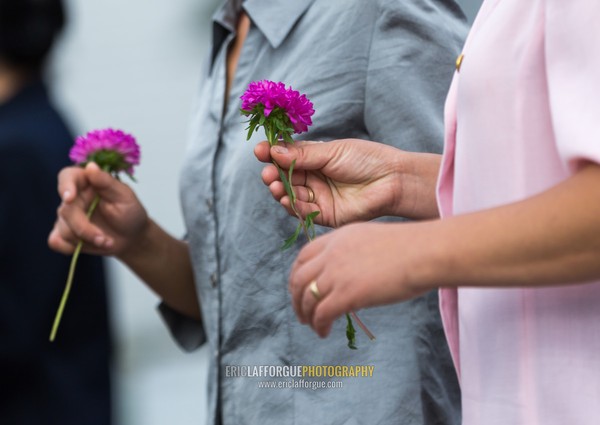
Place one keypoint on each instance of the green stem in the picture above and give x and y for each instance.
(63, 300)
(273, 140)
(293, 203)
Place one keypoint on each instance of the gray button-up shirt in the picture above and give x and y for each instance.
(375, 70)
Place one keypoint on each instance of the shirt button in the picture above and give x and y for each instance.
(209, 205)
(214, 280)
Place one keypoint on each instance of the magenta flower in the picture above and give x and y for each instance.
(280, 110)
(112, 150)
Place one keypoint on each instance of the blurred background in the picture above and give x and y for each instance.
(135, 65)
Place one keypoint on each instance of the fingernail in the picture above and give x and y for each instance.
(66, 195)
(109, 243)
(280, 149)
(99, 241)
(92, 165)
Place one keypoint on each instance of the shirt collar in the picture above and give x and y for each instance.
(275, 21)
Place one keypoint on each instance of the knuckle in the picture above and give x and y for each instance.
(79, 232)
(63, 210)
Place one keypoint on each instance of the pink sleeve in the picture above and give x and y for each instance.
(572, 48)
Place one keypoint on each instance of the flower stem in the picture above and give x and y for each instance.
(293, 202)
(67, 290)
(362, 326)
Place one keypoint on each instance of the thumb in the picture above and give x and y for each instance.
(308, 155)
(108, 187)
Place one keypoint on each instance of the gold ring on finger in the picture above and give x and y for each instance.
(314, 289)
(311, 195)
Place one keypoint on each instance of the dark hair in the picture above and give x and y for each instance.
(27, 31)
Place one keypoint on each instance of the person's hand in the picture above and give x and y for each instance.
(116, 226)
(352, 180)
(357, 266)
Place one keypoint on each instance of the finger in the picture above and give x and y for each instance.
(64, 231)
(74, 224)
(109, 188)
(277, 190)
(71, 180)
(269, 174)
(304, 271)
(310, 299)
(68, 240)
(303, 208)
(303, 194)
(262, 152)
(327, 311)
(58, 244)
(308, 155)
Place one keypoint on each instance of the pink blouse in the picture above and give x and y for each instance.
(522, 114)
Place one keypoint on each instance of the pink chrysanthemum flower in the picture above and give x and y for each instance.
(112, 150)
(286, 108)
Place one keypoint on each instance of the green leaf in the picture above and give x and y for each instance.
(251, 128)
(287, 137)
(350, 333)
(309, 221)
(290, 241)
(311, 216)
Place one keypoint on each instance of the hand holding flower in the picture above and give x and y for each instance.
(115, 226)
(352, 180)
(113, 151)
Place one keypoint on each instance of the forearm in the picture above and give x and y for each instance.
(163, 263)
(550, 239)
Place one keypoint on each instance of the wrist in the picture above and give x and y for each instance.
(415, 192)
(429, 259)
(141, 245)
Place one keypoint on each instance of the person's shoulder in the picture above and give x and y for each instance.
(40, 138)
(441, 20)
(32, 120)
